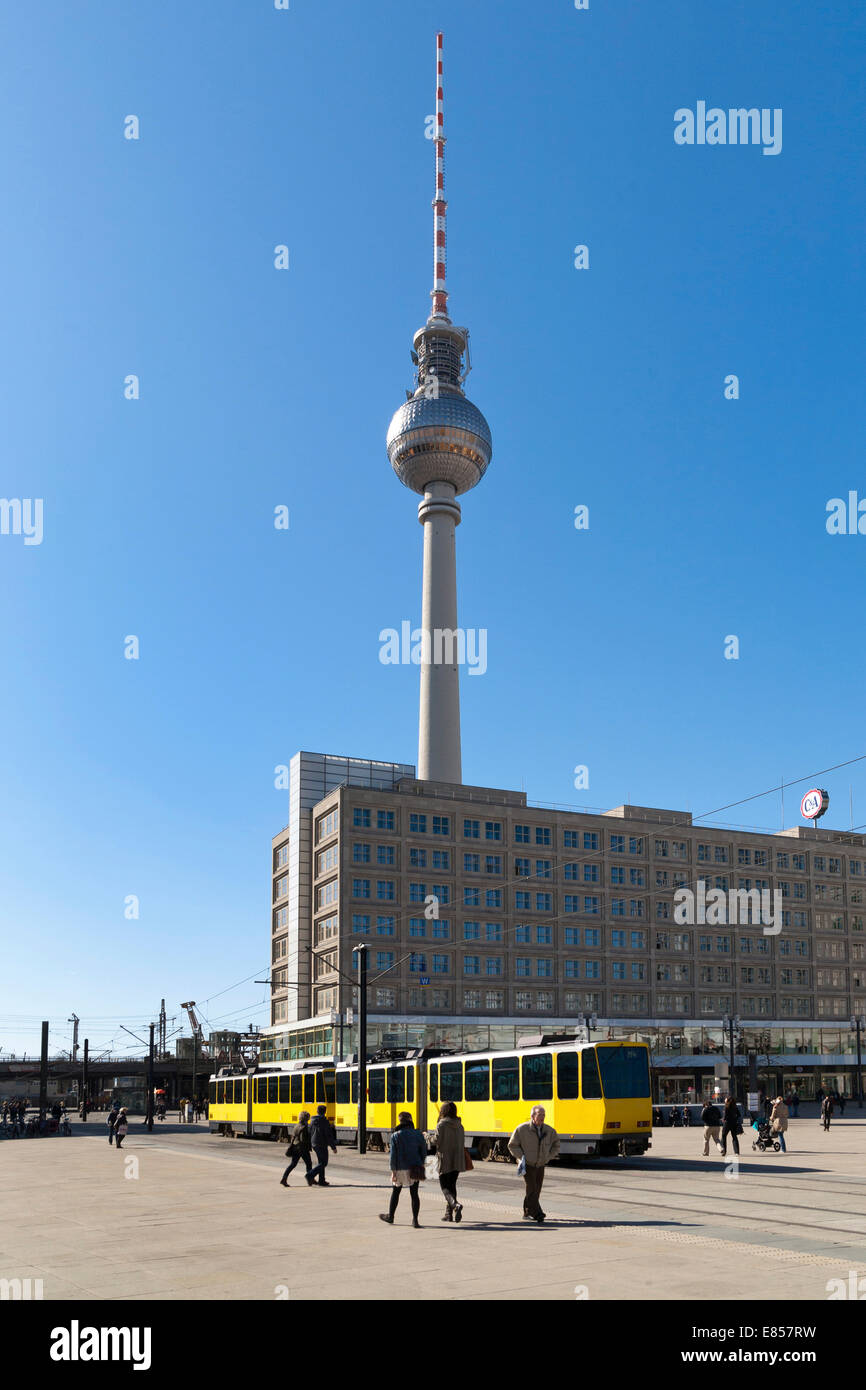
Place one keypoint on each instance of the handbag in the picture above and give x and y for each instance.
(468, 1164)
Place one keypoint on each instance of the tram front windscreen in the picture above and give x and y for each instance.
(624, 1072)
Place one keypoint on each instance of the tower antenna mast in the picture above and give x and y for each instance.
(440, 206)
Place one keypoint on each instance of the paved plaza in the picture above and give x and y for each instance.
(184, 1214)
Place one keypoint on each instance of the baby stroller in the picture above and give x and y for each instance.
(766, 1138)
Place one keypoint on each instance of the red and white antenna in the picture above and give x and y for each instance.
(439, 292)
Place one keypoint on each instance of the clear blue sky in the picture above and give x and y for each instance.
(258, 388)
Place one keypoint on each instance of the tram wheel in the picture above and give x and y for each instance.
(484, 1148)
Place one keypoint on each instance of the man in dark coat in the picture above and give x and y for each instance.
(323, 1136)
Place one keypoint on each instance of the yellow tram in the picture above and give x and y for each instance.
(596, 1095)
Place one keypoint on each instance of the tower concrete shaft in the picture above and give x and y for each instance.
(439, 718)
(439, 445)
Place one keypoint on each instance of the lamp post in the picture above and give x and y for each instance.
(361, 950)
(731, 1021)
(858, 1022)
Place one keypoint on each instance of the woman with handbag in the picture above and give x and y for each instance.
(450, 1144)
(120, 1128)
(731, 1124)
(300, 1146)
(779, 1121)
(408, 1155)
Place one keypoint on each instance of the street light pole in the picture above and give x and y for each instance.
(857, 1022)
(149, 1106)
(361, 950)
(84, 1079)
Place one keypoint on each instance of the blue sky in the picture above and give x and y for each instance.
(261, 387)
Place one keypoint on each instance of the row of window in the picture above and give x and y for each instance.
(421, 823)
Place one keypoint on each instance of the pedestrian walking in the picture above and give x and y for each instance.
(534, 1144)
(731, 1124)
(450, 1144)
(779, 1121)
(111, 1121)
(795, 1103)
(408, 1156)
(711, 1119)
(827, 1110)
(299, 1146)
(842, 1102)
(323, 1137)
(121, 1127)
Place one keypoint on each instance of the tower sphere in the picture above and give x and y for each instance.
(442, 439)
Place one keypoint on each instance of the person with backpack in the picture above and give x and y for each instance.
(120, 1128)
(408, 1156)
(711, 1119)
(323, 1136)
(111, 1121)
(299, 1147)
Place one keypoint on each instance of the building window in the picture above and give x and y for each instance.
(471, 897)
(384, 820)
(360, 854)
(471, 830)
(521, 834)
(523, 868)
(281, 857)
(493, 897)
(542, 835)
(417, 926)
(571, 839)
(522, 934)
(442, 859)
(544, 902)
(441, 825)
(544, 968)
(361, 923)
(385, 854)
(472, 998)
(492, 830)
(441, 964)
(417, 858)
(472, 863)
(386, 998)
(280, 948)
(361, 818)
(326, 825)
(360, 888)
(281, 887)
(493, 965)
(417, 823)
(471, 965)
(544, 1000)
(522, 901)
(418, 963)
(441, 928)
(384, 960)
(494, 999)
(281, 918)
(385, 889)
(328, 893)
(493, 931)
(522, 965)
(493, 864)
(471, 931)
(523, 999)
(572, 936)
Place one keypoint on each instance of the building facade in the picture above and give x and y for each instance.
(487, 918)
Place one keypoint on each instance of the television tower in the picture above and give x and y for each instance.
(439, 445)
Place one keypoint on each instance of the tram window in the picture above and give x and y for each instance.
(538, 1077)
(567, 1087)
(451, 1077)
(478, 1080)
(273, 1082)
(410, 1083)
(342, 1087)
(243, 1086)
(354, 1088)
(376, 1085)
(297, 1089)
(212, 1091)
(591, 1081)
(309, 1088)
(320, 1086)
(239, 1093)
(230, 1087)
(506, 1078)
(624, 1072)
(397, 1083)
(328, 1077)
(220, 1092)
(284, 1089)
(433, 1080)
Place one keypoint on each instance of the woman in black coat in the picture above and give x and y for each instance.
(731, 1125)
(299, 1146)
